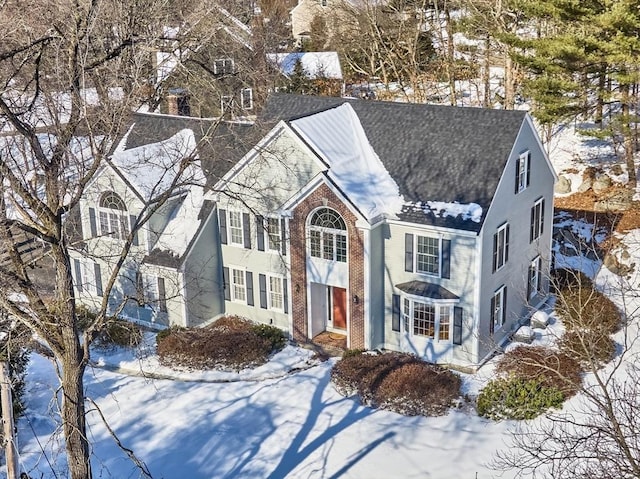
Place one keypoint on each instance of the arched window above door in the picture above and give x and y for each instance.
(328, 235)
(328, 218)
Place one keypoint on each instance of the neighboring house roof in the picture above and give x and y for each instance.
(437, 155)
(167, 61)
(314, 64)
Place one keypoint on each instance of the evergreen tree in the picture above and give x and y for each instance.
(299, 81)
(584, 59)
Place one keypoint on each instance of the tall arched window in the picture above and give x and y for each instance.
(113, 216)
(328, 236)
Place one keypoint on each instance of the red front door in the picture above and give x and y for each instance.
(339, 308)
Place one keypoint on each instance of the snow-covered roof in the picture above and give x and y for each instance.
(354, 166)
(315, 64)
(428, 150)
(337, 136)
(153, 169)
(18, 155)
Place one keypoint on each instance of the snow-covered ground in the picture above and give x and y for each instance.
(281, 420)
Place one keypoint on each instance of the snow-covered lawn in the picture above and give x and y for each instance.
(289, 425)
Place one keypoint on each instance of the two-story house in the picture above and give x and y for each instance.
(210, 69)
(405, 227)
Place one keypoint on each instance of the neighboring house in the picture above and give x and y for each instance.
(303, 15)
(210, 72)
(321, 69)
(405, 227)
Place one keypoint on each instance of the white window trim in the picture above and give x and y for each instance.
(242, 103)
(334, 234)
(121, 218)
(501, 254)
(534, 286)
(523, 171)
(498, 321)
(538, 207)
(269, 301)
(267, 245)
(87, 283)
(232, 284)
(229, 228)
(437, 304)
(226, 103)
(415, 256)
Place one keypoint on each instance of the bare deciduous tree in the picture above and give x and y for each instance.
(70, 73)
(596, 434)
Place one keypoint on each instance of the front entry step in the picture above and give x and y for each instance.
(330, 343)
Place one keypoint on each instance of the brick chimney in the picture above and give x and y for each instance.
(178, 102)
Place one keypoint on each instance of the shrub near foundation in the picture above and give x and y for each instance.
(550, 367)
(591, 348)
(397, 382)
(581, 306)
(517, 398)
(229, 343)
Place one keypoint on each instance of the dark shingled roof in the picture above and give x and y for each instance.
(433, 152)
(221, 144)
(426, 290)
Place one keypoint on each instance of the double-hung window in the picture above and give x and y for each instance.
(238, 286)
(501, 247)
(276, 293)
(328, 236)
(428, 255)
(429, 320)
(235, 228)
(498, 308)
(534, 283)
(87, 276)
(226, 103)
(523, 171)
(274, 235)
(246, 98)
(537, 220)
(223, 66)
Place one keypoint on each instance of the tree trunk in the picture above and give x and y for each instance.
(509, 82)
(486, 73)
(627, 135)
(451, 66)
(602, 85)
(73, 412)
(73, 362)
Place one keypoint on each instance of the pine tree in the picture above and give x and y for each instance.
(584, 59)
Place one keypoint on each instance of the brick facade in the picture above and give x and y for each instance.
(323, 196)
